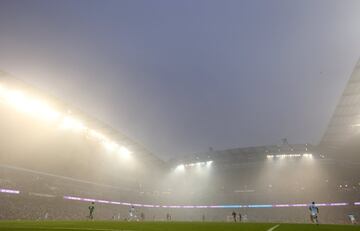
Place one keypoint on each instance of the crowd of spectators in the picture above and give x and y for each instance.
(42, 197)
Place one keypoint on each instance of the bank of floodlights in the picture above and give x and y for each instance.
(205, 164)
(43, 111)
(289, 156)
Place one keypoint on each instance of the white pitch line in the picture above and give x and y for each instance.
(273, 228)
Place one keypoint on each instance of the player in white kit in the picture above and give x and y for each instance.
(132, 214)
(352, 219)
(314, 211)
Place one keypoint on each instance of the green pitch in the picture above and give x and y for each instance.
(161, 226)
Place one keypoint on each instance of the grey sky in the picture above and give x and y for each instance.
(182, 76)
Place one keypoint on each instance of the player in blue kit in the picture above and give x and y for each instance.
(314, 211)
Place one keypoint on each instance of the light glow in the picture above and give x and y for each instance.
(72, 124)
(41, 110)
(124, 152)
(16, 99)
(38, 108)
(97, 135)
(209, 163)
(23, 103)
(198, 164)
(180, 167)
(308, 155)
(283, 156)
(110, 146)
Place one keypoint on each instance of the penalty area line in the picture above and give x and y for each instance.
(273, 228)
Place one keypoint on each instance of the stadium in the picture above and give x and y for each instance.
(267, 184)
(62, 168)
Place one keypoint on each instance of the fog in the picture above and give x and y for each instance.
(117, 103)
(52, 153)
(184, 76)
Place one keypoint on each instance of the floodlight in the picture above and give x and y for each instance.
(42, 110)
(72, 124)
(97, 135)
(16, 99)
(282, 156)
(308, 155)
(25, 104)
(48, 113)
(125, 152)
(179, 168)
(2, 88)
(110, 145)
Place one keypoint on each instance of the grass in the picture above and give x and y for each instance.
(161, 226)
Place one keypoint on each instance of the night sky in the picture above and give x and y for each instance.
(182, 76)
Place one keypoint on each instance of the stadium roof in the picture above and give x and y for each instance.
(109, 133)
(345, 122)
(343, 126)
